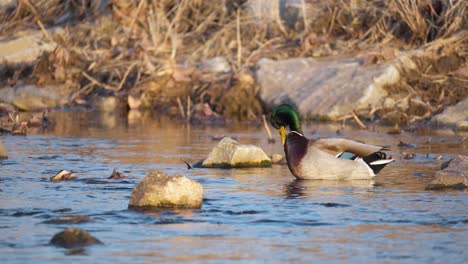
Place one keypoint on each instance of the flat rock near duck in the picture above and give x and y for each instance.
(3, 152)
(30, 97)
(453, 175)
(229, 153)
(160, 190)
(325, 88)
(74, 238)
(456, 115)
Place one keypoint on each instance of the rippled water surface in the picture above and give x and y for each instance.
(248, 215)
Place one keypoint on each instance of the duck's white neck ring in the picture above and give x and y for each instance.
(296, 133)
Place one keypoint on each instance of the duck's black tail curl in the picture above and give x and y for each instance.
(377, 161)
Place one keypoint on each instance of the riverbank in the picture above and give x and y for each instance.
(201, 62)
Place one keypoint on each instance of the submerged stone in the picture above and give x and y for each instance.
(161, 190)
(69, 219)
(117, 175)
(73, 238)
(3, 153)
(453, 175)
(229, 153)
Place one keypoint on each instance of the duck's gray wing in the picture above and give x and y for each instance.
(338, 145)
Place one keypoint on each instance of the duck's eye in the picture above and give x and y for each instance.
(275, 123)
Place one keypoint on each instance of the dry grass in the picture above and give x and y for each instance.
(146, 43)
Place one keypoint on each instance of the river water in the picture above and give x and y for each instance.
(248, 215)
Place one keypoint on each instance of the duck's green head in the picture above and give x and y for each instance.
(285, 116)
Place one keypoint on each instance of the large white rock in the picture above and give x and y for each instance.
(161, 190)
(453, 176)
(324, 88)
(455, 115)
(230, 153)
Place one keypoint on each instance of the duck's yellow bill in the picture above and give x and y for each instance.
(282, 132)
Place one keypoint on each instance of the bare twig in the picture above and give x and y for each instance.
(96, 82)
(267, 128)
(125, 75)
(181, 108)
(358, 121)
(189, 102)
(239, 43)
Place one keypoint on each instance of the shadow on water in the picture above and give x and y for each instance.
(247, 214)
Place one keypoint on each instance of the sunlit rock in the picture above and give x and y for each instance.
(134, 101)
(30, 97)
(230, 153)
(73, 238)
(24, 49)
(161, 190)
(63, 175)
(453, 115)
(278, 159)
(69, 219)
(453, 175)
(106, 103)
(462, 125)
(215, 65)
(3, 153)
(326, 88)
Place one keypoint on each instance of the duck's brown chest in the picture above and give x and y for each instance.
(295, 149)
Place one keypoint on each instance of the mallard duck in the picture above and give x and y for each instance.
(325, 158)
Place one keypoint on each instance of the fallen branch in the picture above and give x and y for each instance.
(358, 121)
(96, 82)
(267, 128)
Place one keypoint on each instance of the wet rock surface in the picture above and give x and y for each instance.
(69, 219)
(278, 159)
(229, 153)
(29, 97)
(63, 175)
(456, 115)
(73, 238)
(453, 175)
(160, 190)
(327, 88)
(3, 152)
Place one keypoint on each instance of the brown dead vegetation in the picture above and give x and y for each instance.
(153, 49)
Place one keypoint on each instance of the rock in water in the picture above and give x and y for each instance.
(30, 97)
(63, 175)
(69, 219)
(3, 153)
(73, 238)
(161, 190)
(455, 115)
(453, 175)
(230, 153)
(278, 159)
(117, 175)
